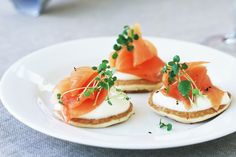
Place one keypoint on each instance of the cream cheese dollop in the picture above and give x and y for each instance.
(125, 76)
(201, 103)
(104, 110)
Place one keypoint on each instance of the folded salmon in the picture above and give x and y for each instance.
(87, 98)
(73, 98)
(136, 61)
(188, 94)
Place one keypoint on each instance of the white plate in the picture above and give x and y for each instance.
(25, 92)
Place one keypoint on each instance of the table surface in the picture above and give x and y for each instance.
(72, 19)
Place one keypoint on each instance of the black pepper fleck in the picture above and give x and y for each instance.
(150, 132)
(177, 102)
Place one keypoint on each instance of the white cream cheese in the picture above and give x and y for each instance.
(202, 102)
(104, 110)
(125, 76)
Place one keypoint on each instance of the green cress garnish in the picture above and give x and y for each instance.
(125, 39)
(177, 70)
(59, 98)
(104, 80)
(168, 126)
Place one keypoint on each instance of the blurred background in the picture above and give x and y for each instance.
(63, 20)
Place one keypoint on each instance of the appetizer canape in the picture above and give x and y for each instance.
(138, 68)
(87, 98)
(188, 95)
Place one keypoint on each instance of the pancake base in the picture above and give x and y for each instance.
(137, 86)
(187, 117)
(102, 122)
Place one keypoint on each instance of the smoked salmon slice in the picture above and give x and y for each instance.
(198, 73)
(202, 80)
(74, 101)
(142, 61)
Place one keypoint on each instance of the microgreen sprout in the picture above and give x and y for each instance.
(125, 39)
(104, 80)
(59, 98)
(168, 126)
(177, 72)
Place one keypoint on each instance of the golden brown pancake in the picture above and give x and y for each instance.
(137, 86)
(102, 122)
(187, 117)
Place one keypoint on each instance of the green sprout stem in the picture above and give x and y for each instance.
(103, 81)
(175, 71)
(168, 126)
(125, 40)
